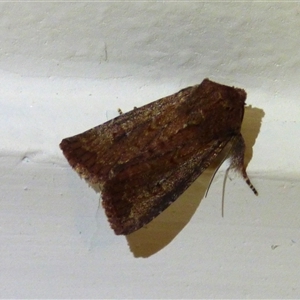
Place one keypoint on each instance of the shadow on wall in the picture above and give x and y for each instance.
(162, 230)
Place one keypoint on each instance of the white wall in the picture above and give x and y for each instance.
(66, 67)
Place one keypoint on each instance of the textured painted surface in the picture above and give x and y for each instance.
(64, 66)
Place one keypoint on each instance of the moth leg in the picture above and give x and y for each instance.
(237, 160)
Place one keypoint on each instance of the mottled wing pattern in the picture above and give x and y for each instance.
(144, 159)
(132, 202)
(94, 153)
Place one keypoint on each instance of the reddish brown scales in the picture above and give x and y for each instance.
(144, 159)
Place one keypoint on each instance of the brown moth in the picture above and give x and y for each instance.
(144, 159)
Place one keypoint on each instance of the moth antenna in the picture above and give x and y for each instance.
(225, 178)
(236, 153)
(223, 191)
(214, 174)
(217, 169)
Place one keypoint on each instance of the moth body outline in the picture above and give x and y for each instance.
(144, 159)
